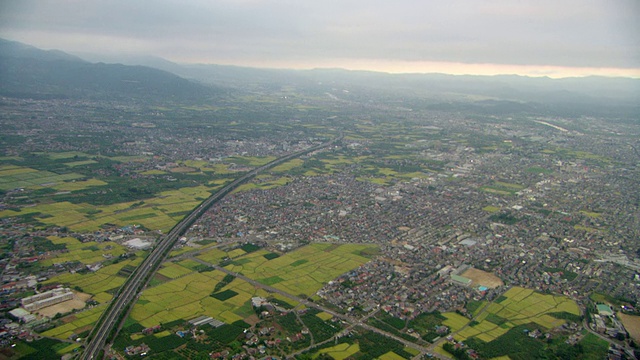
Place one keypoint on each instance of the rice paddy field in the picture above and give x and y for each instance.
(303, 271)
(518, 306)
(94, 283)
(97, 283)
(391, 356)
(86, 253)
(159, 213)
(341, 351)
(185, 293)
(189, 297)
(13, 177)
(76, 323)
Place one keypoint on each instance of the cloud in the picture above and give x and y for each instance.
(569, 33)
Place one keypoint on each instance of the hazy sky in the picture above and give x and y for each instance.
(552, 37)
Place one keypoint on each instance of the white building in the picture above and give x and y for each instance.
(47, 298)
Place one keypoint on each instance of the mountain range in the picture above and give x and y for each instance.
(26, 71)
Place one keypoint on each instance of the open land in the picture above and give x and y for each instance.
(483, 278)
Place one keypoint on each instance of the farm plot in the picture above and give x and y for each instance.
(303, 271)
(97, 282)
(341, 351)
(213, 256)
(159, 213)
(76, 323)
(631, 324)
(518, 306)
(454, 321)
(190, 296)
(86, 253)
(14, 177)
(173, 271)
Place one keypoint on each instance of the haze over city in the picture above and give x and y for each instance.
(243, 180)
(532, 38)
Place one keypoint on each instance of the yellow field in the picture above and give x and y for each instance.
(251, 160)
(454, 321)
(521, 306)
(324, 316)
(173, 270)
(14, 177)
(97, 282)
(375, 180)
(631, 324)
(159, 213)
(264, 185)
(303, 271)
(591, 214)
(391, 356)
(78, 185)
(188, 297)
(85, 253)
(81, 320)
(212, 256)
(288, 165)
(343, 351)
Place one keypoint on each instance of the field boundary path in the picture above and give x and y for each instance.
(109, 323)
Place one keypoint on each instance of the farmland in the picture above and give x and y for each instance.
(158, 213)
(185, 293)
(518, 306)
(341, 351)
(291, 273)
(62, 189)
(76, 323)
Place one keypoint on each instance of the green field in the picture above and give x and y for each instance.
(99, 282)
(341, 351)
(159, 213)
(189, 297)
(292, 274)
(519, 307)
(76, 323)
(14, 177)
(187, 293)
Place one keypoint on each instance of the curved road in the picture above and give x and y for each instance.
(112, 317)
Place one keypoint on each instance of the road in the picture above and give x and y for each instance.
(112, 318)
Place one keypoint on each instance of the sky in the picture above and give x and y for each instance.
(554, 38)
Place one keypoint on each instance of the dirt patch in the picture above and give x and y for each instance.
(252, 320)
(77, 303)
(632, 324)
(483, 278)
(161, 278)
(80, 330)
(182, 169)
(68, 319)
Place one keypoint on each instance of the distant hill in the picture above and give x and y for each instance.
(502, 94)
(29, 72)
(26, 71)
